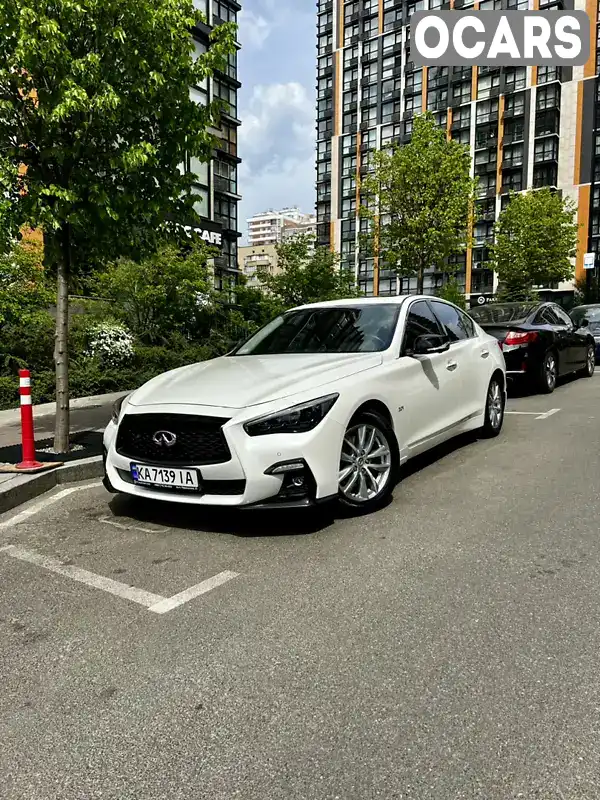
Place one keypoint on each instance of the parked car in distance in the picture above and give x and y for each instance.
(326, 401)
(591, 313)
(540, 342)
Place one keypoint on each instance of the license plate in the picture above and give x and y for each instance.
(168, 477)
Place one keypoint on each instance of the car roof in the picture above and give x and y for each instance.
(586, 305)
(353, 302)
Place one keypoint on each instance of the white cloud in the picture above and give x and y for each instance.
(277, 147)
(254, 29)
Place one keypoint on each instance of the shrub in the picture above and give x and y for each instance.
(110, 343)
(28, 343)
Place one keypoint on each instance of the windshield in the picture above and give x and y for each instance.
(336, 329)
(499, 313)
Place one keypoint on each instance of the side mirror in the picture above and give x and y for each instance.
(430, 343)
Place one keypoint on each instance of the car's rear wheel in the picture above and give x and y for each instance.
(548, 374)
(494, 408)
(590, 362)
(368, 463)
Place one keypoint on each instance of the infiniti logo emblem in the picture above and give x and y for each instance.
(164, 438)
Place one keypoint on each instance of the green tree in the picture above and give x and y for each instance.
(95, 118)
(23, 284)
(418, 199)
(307, 274)
(535, 240)
(453, 292)
(161, 294)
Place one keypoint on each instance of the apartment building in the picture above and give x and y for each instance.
(526, 127)
(217, 186)
(253, 257)
(272, 227)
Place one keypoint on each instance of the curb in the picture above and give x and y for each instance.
(11, 415)
(23, 488)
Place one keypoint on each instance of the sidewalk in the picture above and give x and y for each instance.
(87, 414)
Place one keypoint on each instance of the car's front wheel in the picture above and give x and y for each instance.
(368, 463)
(590, 362)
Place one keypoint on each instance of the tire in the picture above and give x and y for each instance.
(494, 408)
(548, 373)
(366, 482)
(590, 362)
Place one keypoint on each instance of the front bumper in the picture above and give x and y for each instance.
(243, 480)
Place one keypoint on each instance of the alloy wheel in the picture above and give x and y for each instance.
(495, 405)
(365, 463)
(591, 360)
(550, 370)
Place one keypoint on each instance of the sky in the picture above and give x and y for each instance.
(277, 66)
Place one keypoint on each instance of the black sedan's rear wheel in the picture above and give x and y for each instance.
(548, 373)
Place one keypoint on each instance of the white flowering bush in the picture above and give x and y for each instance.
(111, 343)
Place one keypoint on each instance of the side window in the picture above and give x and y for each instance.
(548, 317)
(420, 321)
(563, 317)
(458, 326)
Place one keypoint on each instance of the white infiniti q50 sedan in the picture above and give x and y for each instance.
(326, 401)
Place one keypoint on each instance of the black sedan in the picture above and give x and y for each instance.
(539, 340)
(591, 314)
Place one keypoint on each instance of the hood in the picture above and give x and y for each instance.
(242, 381)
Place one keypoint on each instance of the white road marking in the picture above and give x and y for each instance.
(525, 413)
(194, 591)
(153, 602)
(117, 588)
(47, 501)
(549, 413)
(120, 525)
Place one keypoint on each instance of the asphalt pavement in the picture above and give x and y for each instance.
(443, 648)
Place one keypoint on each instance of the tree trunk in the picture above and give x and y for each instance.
(61, 356)
(420, 279)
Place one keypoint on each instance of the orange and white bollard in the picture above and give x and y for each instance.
(27, 436)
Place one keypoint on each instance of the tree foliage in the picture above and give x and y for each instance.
(535, 240)
(160, 294)
(96, 118)
(307, 274)
(24, 287)
(453, 292)
(418, 199)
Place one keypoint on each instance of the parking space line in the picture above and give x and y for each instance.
(120, 525)
(548, 413)
(170, 603)
(153, 602)
(47, 501)
(117, 588)
(524, 413)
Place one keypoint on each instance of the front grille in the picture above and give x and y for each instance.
(199, 440)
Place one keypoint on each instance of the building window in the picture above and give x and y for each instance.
(222, 12)
(437, 99)
(512, 181)
(412, 103)
(226, 213)
(325, 43)
(371, 26)
(225, 177)
(414, 81)
(392, 19)
(350, 122)
(323, 64)
(349, 144)
(547, 97)
(391, 40)
(324, 150)
(348, 206)
(324, 21)
(513, 156)
(227, 96)
(350, 77)
(513, 131)
(514, 104)
(323, 170)
(463, 136)
(371, 49)
(350, 53)
(369, 116)
(545, 175)
(323, 106)
(547, 149)
(350, 99)
(515, 79)
(350, 10)
(324, 85)
(369, 94)
(325, 128)
(486, 83)
(486, 110)
(548, 74)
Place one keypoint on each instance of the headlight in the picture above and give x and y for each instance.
(116, 409)
(297, 419)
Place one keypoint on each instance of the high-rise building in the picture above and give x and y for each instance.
(217, 187)
(526, 127)
(254, 257)
(271, 227)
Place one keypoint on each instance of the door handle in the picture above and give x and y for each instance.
(485, 353)
(451, 365)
